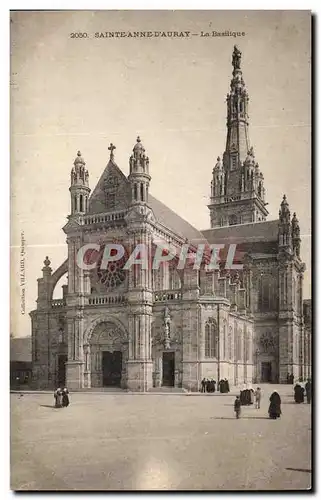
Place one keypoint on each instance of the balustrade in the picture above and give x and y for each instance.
(106, 300)
(167, 295)
(96, 219)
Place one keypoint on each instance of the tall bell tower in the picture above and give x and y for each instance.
(139, 221)
(237, 187)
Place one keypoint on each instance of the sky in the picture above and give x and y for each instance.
(70, 94)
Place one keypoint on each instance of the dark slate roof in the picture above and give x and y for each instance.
(171, 220)
(244, 233)
(20, 349)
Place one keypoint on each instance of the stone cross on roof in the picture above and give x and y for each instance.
(111, 149)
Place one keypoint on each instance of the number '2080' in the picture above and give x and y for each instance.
(78, 35)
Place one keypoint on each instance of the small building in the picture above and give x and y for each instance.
(20, 362)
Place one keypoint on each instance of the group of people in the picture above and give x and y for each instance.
(248, 396)
(209, 385)
(299, 392)
(61, 398)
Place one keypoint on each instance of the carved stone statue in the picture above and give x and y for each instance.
(167, 325)
(236, 58)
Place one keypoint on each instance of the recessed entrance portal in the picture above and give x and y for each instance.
(266, 371)
(112, 367)
(169, 369)
(61, 375)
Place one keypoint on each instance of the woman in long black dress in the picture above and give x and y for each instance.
(298, 394)
(65, 398)
(58, 398)
(275, 406)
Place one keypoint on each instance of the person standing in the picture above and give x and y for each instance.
(58, 397)
(298, 394)
(308, 391)
(275, 406)
(65, 398)
(258, 395)
(203, 385)
(237, 407)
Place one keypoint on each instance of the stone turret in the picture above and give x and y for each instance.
(285, 230)
(79, 186)
(139, 177)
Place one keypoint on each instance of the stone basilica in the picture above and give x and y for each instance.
(143, 328)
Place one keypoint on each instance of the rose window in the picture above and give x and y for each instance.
(114, 274)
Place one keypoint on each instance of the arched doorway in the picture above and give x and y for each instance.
(106, 356)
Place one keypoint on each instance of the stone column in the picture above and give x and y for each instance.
(286, 322)
(87, 366)
(140, 302)
(75, 363)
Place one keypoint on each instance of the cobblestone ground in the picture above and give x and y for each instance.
(162, 442)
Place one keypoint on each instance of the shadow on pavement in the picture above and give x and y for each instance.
(48, 406)
(298, 470)
(241, 418)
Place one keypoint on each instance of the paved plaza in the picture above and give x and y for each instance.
(106, 441)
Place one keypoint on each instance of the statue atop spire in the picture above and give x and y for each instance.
(236, 58)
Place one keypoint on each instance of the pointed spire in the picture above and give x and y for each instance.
(284, 214)
(295, 226)
(111, 149)
(241, 174)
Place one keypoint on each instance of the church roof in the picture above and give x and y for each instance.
(173, 221)
(244, 233)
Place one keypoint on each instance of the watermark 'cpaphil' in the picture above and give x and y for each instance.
(202, 256)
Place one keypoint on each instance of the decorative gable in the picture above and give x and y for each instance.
(112, 191)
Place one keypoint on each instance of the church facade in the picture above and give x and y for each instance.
(143, 327)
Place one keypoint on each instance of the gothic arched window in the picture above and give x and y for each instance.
(211, 339)
(135, 192)
(142, 192)
(81, 205)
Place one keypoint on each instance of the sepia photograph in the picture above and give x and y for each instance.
(160, 253)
